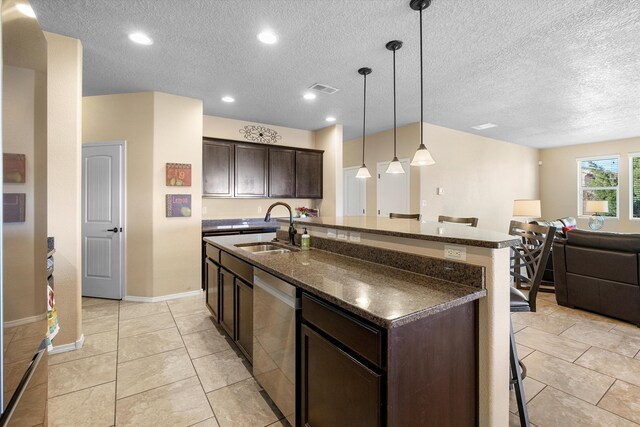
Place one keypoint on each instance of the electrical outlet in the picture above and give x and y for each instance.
(331, 233)
(354, 237)
(259, 209)
(440, 191)
(204, 210)
(342, 235)
(424, 203)
(459, 253)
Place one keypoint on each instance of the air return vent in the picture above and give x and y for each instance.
(323, 88)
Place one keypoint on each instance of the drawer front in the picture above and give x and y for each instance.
(359, 337)
(237, 266)
(213, 253)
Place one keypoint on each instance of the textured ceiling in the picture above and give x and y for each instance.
(549, 73)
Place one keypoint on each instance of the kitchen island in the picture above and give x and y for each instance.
(415, 350)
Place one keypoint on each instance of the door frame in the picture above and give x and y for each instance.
(344, 185)
(407, 172)
(123, 207)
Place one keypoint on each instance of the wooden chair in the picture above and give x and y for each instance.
(531, 256)
(405, 216)
(471, 221)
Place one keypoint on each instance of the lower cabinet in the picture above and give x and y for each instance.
(244, 318)
(227, 302)
(336, 388)
(213, 288)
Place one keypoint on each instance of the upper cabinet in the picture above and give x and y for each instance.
(244, 170)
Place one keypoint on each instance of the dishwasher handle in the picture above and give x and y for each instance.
(292, 302)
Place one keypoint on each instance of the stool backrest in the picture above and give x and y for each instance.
(471, 221)
(531, 254)
(405, 216)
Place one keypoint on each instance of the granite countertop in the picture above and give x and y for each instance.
(246, 224)
(426, 230)
(386, 296)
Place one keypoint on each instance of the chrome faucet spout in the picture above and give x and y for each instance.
(292, 230)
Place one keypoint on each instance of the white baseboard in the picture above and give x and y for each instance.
(25, 320)
(68, 347)
(164, 297)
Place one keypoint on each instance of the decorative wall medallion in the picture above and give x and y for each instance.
(260, 134)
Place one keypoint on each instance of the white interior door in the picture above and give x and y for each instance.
(393, 189)
(102, 220)
(355, 193)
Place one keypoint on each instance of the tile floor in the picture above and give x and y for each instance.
(154, 364)
(582, 369)
(167, 364)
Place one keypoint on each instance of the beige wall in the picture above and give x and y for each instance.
(176, 241)
(162, 254)
(24, 252)
(218, 127)
(480, 176)
(129, 117)
(559, 181)
(64, 177)
(330, 140)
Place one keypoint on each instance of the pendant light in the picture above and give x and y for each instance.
(363, 172)
(395, 166)
(422, 156)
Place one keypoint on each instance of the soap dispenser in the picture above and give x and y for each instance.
(305, 242)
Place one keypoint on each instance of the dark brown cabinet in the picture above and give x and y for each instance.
(218, 171)
(244, 318)
(251, 170)
(282, 172)
(213, 288)
(245, 170)
(336, 388)
(227, 302)
(308, 174)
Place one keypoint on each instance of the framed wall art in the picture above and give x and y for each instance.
(179, 174)
(13, 205)
(14, 168)
(178, 205)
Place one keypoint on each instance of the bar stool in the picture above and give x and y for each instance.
(470, 221)
(531, 256)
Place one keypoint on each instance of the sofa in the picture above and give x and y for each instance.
(561, 225)
(599, 272)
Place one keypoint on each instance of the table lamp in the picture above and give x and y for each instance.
(527, 208)
(595, 207)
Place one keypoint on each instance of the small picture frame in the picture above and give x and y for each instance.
(178, 205)
(13, 205)
(179, 174)
(14, 168)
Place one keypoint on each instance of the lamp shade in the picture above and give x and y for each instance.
(422, 157)
(395, 166)
(596, 206)
(527, 208)
(363, 172)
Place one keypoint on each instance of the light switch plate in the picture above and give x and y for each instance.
(459, 253)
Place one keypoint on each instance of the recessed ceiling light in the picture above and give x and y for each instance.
(228, 99)
(25, 9)
(141, 38)
(309, 95)
(267, 37)
(330, 119)
(484, 126)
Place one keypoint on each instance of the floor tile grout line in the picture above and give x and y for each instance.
(196, 371)
(605, 393)
(136, 335)
(152, 355)
(80, 389)
(156, 387)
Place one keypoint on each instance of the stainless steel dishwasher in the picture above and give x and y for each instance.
(274, 339)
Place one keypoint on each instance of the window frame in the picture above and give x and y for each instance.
(632, 156)
(579, 160)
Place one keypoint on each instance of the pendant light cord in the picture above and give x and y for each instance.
(421, 87)
(364, 115)
(394, 104)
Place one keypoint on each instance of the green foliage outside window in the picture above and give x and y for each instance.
(599, 181)
(635, 167)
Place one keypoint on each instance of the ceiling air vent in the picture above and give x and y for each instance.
(323, 88)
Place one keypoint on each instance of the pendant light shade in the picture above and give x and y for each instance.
(395, 166)
(422, 156)
(363, 172)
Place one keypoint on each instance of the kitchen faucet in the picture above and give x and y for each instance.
(292, 230)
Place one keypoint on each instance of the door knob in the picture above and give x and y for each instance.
(114, 229)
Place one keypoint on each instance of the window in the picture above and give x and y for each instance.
(598, 180)
(634, 185)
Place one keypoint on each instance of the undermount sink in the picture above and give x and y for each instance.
(265, 248)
